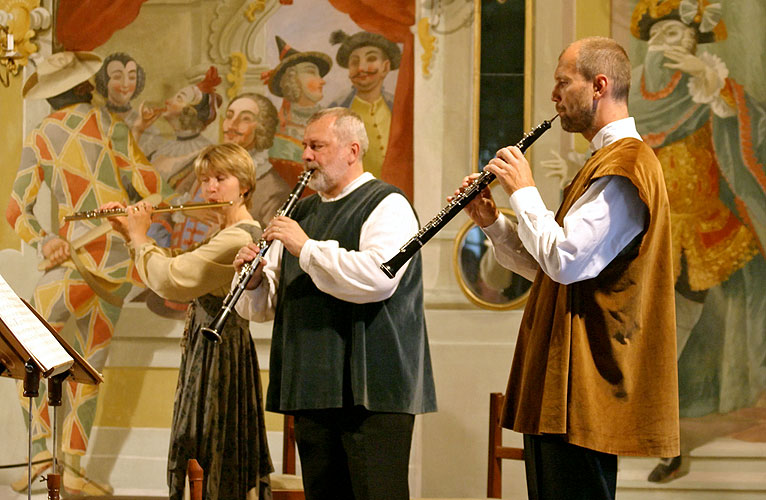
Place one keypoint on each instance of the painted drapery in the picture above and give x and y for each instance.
(102, 17)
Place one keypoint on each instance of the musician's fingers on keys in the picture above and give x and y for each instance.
(288, 232)
(111, 205)
(245, 254)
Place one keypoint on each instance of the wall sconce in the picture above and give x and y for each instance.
(433, 20)
(20, 20)
(8, 57)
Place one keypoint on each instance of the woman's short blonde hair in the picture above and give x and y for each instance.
(230, 159)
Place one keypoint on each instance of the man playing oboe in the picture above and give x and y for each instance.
(349, 353)
(594, 373)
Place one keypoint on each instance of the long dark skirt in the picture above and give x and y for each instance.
(218, 412)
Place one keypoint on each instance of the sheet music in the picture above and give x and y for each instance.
(31, 333)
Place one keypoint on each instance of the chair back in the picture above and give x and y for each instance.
(498, 452)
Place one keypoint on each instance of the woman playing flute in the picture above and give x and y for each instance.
(218, 410)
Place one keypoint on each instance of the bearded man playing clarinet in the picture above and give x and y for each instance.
(594, 373)
(349, 353)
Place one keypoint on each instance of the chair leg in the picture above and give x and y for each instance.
(288, 445)
(494, 469)
(195, 474)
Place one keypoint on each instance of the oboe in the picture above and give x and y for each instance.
(392, 266)
(213, 330)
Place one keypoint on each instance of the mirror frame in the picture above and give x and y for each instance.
(514, 303)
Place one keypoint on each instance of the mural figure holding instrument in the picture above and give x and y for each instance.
(704, 128)
(81, 153)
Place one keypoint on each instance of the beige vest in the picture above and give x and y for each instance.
(596, 360)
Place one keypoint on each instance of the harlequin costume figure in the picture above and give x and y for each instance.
(86, 157)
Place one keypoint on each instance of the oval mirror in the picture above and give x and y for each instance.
(483, 280)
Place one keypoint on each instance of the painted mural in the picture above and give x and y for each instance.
(698, 99)
(250, 73)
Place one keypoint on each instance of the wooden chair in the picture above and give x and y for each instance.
(498, 452)
(287, 486)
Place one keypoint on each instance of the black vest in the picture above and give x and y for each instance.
(329, 353)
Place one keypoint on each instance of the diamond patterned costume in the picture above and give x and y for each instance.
(87, 158)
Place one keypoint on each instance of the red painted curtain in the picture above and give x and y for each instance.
(87, 24)
(393, 19)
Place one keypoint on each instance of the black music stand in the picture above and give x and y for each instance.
(17, 361)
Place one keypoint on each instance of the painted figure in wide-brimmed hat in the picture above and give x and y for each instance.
(702, 124)
(369, 58)
(298, 79)
(86, 157)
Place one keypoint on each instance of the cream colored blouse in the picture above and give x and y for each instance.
(183, 275)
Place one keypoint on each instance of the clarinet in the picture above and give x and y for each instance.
(212, 332)
(392, 266)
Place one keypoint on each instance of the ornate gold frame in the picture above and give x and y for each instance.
(457, 246)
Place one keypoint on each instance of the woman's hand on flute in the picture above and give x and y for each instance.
(119, 224)
(245, 255)
(134, 225)
(139, 218)
(482, 209)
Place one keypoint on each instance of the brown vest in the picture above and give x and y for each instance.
(596, 360)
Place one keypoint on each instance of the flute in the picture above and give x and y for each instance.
(120, 212)
(212, 332)
(392, 266)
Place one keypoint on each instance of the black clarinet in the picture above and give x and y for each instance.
(213, 330)
(392, 266)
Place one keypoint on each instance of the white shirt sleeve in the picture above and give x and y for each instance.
(508, 249)
(600, 224)
(259, 304)
(353, 276)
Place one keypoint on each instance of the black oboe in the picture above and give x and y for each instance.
(213, 330)
(392, 266)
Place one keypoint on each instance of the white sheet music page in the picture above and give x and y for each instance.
(32, 333)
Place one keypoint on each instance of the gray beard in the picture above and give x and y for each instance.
(318, 182)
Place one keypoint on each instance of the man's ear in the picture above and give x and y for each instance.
(354, 150)
(386, 66)
(600, 86)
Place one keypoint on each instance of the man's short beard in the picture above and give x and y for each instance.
(581, 120)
